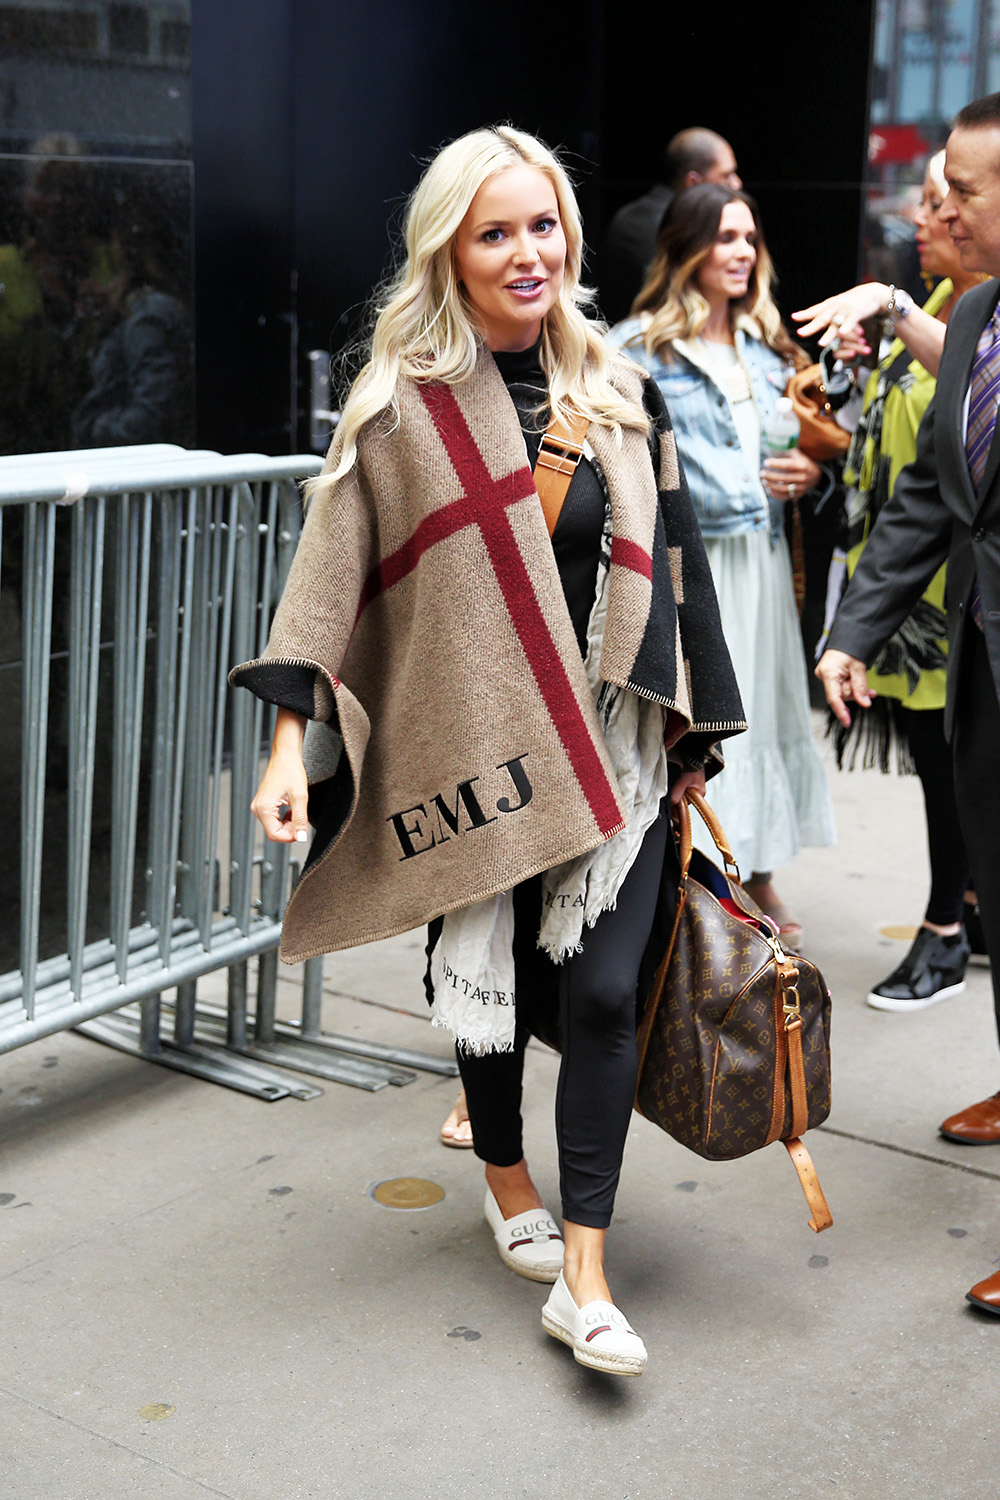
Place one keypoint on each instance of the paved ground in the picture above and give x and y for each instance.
(198, 1297)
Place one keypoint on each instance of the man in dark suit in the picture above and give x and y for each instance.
(946, 504)
(693, 155)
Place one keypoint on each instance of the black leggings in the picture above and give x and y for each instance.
(932, 757)
(597, 991)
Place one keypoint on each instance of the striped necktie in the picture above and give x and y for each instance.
(984, 394)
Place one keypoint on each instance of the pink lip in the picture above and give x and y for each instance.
(538, 284)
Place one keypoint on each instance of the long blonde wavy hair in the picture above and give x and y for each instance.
(426, 327)
(671, 295)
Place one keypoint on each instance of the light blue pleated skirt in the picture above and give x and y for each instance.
(773, 796)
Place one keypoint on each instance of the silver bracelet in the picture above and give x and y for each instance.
(898, 307)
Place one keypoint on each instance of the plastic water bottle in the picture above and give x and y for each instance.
(781, 430)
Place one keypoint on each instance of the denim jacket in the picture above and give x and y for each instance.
(727, 493)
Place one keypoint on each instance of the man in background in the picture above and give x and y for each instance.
(946, 505)
(694, 155)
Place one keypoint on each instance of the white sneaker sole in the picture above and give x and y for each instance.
(595, 1359)
(884, 1002)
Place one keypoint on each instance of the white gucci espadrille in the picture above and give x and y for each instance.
(530, 1243)
(598, 1333)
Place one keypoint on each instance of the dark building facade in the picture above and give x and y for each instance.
(204, 191)
(312, 120)
(228, 174)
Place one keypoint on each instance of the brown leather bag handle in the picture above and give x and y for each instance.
(682, 822)
(559, 454)
(682, 818)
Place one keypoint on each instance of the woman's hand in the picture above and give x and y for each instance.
(284, 784)
(841, 317)
(790, 475)
(852, 346)
(694, 779)
(922, 333)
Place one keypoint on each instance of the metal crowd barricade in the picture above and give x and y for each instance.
(132, 579)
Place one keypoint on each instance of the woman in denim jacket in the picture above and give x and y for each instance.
(707, 329)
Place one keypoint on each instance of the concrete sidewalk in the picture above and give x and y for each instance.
(200, 1298)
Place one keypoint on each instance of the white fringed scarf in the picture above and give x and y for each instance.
(472, 968)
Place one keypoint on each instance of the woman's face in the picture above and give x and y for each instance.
(938, 256)
(510, 255)
(725, 275)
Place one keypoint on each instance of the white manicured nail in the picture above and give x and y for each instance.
(301, 836)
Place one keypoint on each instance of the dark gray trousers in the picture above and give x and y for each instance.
(976, 748)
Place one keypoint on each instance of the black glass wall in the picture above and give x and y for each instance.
(95, 224)
(96, 342)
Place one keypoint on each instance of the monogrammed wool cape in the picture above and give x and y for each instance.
(454, 748)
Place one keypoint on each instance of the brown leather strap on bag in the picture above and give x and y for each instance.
(797, 1076)
(559, 453)
(780, 1068)
(714, 827)
(822, 1218)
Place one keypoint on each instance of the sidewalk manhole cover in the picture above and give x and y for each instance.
(406, 1192)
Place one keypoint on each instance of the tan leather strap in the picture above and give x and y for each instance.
(797, 1076)
(559, 453)
(788, 1052)
(682, 824)
(822, 1218)
(714, 827)
(780, 1065)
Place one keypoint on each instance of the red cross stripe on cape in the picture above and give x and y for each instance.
(484, 503)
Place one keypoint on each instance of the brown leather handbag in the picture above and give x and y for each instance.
(734, 1043)
(820, 435)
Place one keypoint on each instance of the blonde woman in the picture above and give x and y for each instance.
(706, 329)
(489, 711)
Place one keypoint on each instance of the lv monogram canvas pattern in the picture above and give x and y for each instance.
(714, 1073)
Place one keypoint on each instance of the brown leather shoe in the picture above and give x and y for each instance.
(979, 1125)
(986, 1294)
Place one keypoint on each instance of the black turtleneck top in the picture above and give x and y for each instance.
(576, 541)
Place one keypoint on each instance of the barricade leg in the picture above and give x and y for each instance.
(187, 994)
(149, 1026)
(267, 990)
(236, 1010)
